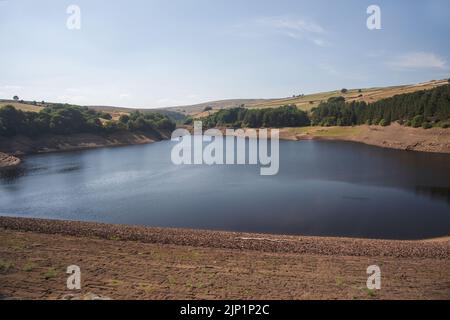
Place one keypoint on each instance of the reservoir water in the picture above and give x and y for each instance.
(322, 189)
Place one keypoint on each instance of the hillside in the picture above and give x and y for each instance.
(305, 102)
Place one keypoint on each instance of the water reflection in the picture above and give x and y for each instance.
(323, 188)
(435, 193)
(11, 175)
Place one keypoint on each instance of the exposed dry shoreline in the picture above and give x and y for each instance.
(155, 263)
(7, 161)
(438, 248)
(395, 136)
(22, 145)
(12, 148)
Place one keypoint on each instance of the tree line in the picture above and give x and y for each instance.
(425, 109)
(67, 119)
(286, 116)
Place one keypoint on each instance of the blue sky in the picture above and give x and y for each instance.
(174, 52)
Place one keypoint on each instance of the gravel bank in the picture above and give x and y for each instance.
(437, 249)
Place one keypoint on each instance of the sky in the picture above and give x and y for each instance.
(159, 53)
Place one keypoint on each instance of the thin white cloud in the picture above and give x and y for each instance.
(296, 27)
(322, 42)
(292, 27)
(419, 60)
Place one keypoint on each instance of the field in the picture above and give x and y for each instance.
(308, 102)
(21, 106)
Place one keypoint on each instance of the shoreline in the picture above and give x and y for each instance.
(397, 137)
(140, 263)
(438, 248)
(21, 146)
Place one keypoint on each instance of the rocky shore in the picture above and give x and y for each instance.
(7, 161)
(233, 240)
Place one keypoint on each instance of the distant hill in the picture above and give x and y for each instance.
(307, 102)
(303, 102)
(221, 104)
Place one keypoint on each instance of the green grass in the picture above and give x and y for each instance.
(114, 238)
(5, 266)
(50, 274)
(115, 282)
(29, 266)
(371, 293)
(339, 281)
(326, 131)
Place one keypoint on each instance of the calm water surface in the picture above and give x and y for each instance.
(323, 188)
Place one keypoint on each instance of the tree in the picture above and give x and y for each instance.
(124, 119)
(426, 125)
(344, 90)
(66, 119)
(417, 121)
(16, 98)
(208, 108)
(188, 121)
(104, 115)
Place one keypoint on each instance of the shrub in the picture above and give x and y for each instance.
(426, 125)
(124, 119)
(444, 124)
(417, 121)
(188, 121)
(384, 123)
(105, 115)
